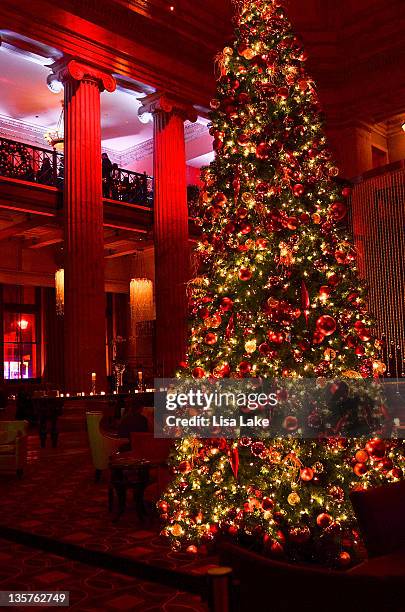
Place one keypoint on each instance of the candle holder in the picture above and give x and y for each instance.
(93, 383)
(140, 381)
(119, 369)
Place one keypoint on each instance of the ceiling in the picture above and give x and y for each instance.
(27, 99)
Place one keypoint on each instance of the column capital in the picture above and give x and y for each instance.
(74, 70)
(165, 103)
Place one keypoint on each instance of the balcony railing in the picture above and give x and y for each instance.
(37, 165)
(29, 163)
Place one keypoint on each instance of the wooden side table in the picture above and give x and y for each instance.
(127, 472)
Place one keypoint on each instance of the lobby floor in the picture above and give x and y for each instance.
(55, 521)
(91, 589)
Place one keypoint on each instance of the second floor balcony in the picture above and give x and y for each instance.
(45, 167)
(32, 180)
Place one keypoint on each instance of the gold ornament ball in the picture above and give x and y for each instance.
(293, 499)
(217, 477)
(248, 53)
(228, 51)
(250, 346)
(192, 550)
(176, 530)
(248, 197)
(379, 367)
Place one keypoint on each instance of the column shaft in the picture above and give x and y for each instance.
(85, 333)
(171, 240)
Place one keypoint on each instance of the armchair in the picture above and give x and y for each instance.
(145, 447)
(103, 444)
(13, 446)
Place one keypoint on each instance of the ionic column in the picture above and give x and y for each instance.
(172, 257)
(85, 328)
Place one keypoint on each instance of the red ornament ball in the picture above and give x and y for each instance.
(333, 280)
(307, 474)
(344, 559)
(324, 292)
(261, 243)
(298, 190)
(264, 349)
(245, 274)
(211, 338)
(244, 367)
(338, 211)
(360, 469)
(226, 304)
(376, 448)
(290, 423)
(219, 199)
(362, 456)
(323, 520)
(245, 228)
(258, 449)
(184, 467)
(364, 334)
(263, 151)
(292, 223)
(267, 503)
(163, 506)
(217, 144)
(326, 325)
(283, 92)
(276, 337)
(198, 372)
(243, 140)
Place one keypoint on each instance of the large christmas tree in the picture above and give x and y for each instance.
(277, 296)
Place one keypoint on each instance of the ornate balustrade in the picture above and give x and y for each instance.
(29, 163)
(37, 165)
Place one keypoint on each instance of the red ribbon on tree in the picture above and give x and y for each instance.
(229, 328)
(233, 454)
(305, 301)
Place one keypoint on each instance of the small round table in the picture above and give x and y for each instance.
(127, 472)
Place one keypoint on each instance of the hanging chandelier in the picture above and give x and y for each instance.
(55, 136)
(60, 291)
(141, 300)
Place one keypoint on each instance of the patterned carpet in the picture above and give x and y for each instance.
(59, 508)
(91, 589)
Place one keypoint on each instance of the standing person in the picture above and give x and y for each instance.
(115, 182)
(106, 169)
(24, 406)
(3, 399)
(45, 173)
